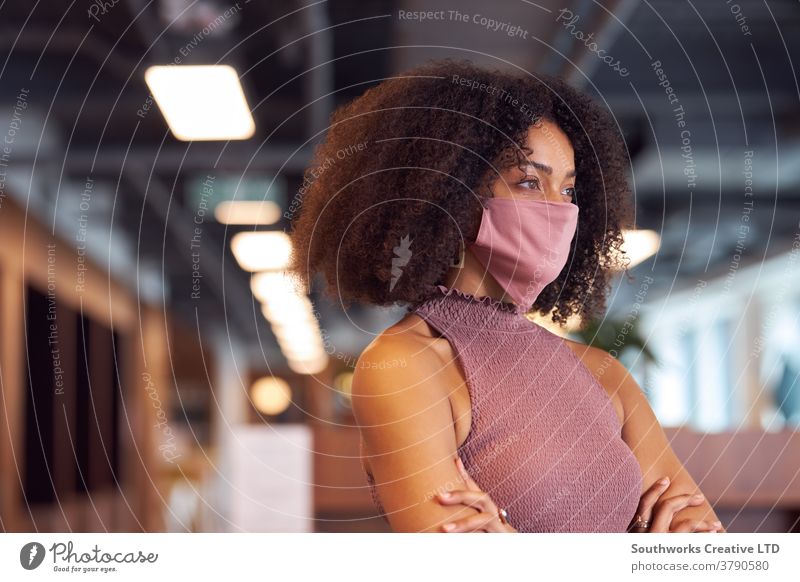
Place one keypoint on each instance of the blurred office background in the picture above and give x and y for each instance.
(158, 374)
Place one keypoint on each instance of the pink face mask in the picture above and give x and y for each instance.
(524, 244)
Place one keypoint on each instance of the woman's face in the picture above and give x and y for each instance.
(548, 173)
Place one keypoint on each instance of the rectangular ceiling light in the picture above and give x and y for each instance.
(247, 212)
(262, 251)
(201, 102)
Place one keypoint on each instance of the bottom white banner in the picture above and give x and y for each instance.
(371, 557)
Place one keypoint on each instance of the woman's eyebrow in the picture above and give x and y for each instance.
(547, 169)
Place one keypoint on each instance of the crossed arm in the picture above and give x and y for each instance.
(645, 436)
(407, 429)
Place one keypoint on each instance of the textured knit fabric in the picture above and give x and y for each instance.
(545, 441)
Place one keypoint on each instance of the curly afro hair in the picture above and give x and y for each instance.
(401, 175)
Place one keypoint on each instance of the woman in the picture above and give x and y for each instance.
(476, 197)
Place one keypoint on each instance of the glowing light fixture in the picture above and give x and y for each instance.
(271, 395)
(201, 102)
(247, 212)
(284, 302)
(277, 285)
(301, 335)
(285, 317)
(309, 366)
(291, 315)
(262, 251)
(639, 245)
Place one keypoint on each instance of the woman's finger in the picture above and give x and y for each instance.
(477, 499)
(649, 498)
(478, 522)
(665, 509)
(480, 501)
(464, 475)
(693, 526)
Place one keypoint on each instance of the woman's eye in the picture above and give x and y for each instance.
(569, 192)
(530, 183)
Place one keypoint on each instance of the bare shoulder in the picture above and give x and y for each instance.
(406, 424)
(406, 355)
(599, 361)
(410, 331)
(408, 340)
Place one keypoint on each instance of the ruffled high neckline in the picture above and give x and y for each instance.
(484, 299)
(455, 307)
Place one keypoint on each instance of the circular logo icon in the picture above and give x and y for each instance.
(31, 555)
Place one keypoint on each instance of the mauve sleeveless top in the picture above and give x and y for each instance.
(545, 441)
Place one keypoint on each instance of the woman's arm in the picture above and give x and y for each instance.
(646, 438)
(407, 428)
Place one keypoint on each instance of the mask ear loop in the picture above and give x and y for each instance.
(459, 262)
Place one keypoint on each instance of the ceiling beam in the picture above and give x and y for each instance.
(202, 157)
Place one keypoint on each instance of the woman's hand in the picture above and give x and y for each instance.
(487, 521)
(660, 513)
